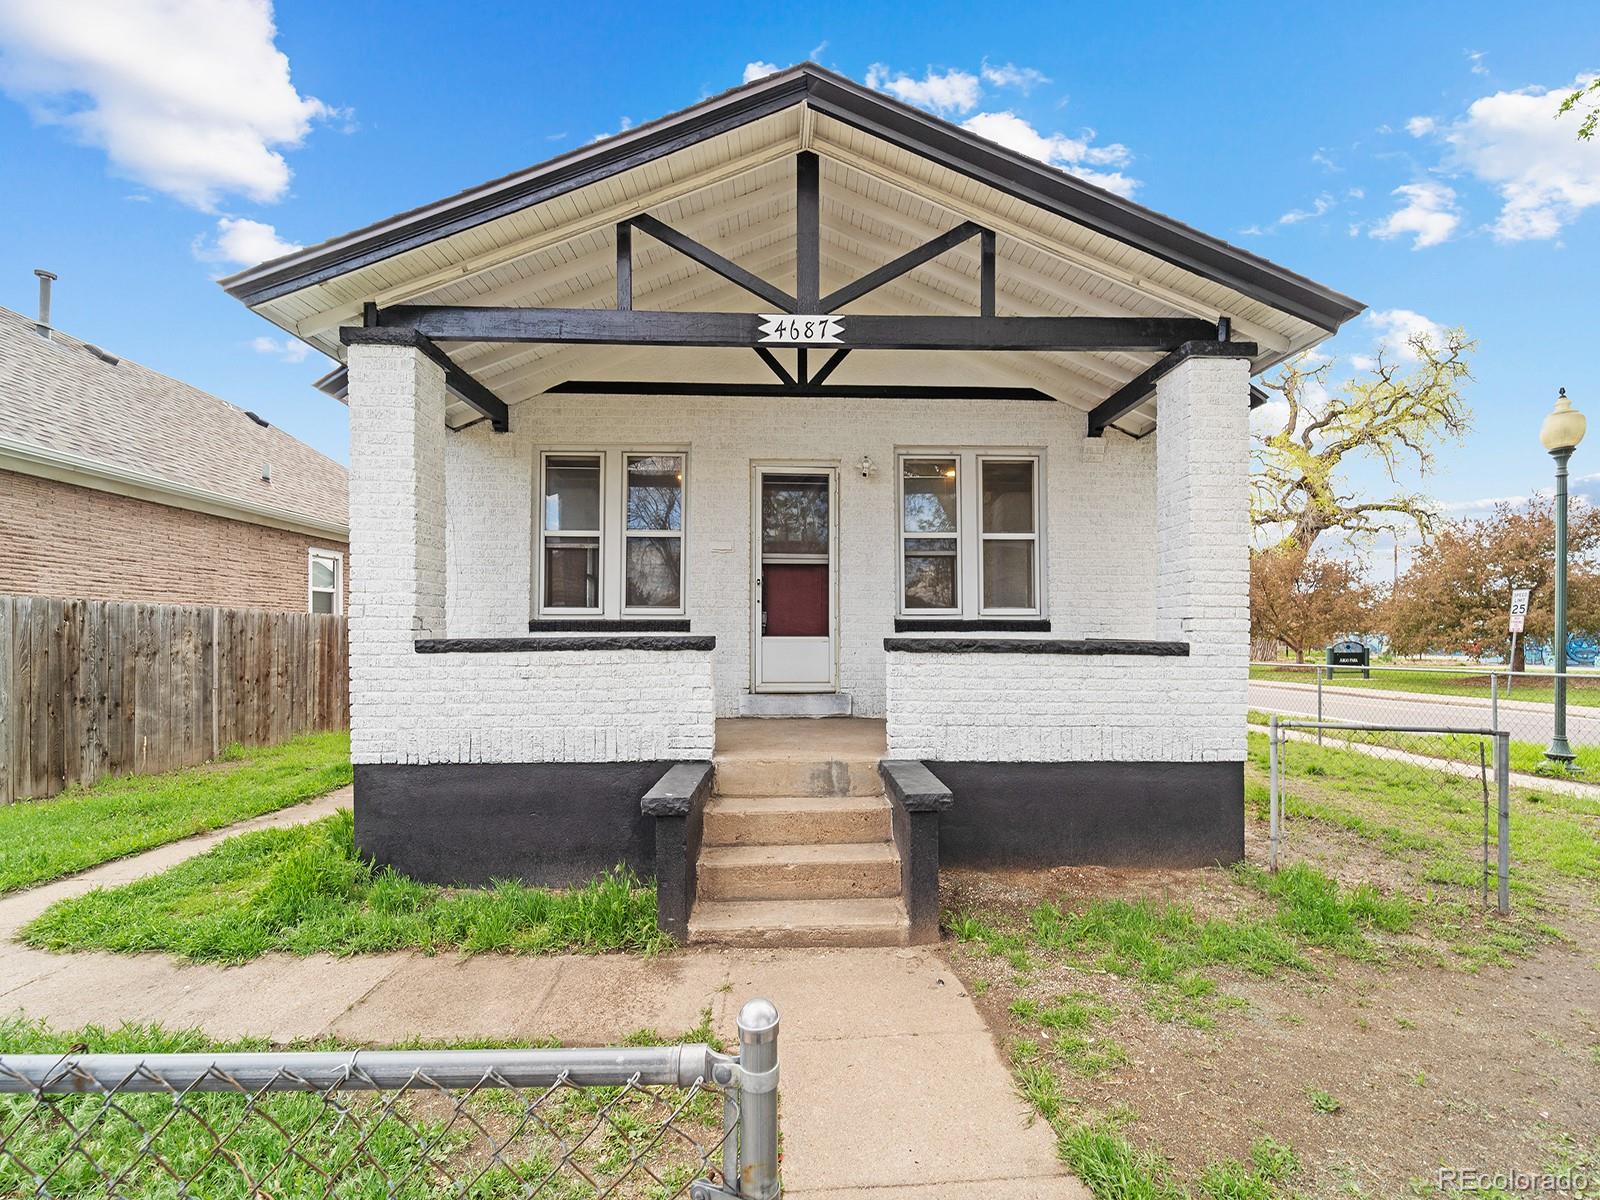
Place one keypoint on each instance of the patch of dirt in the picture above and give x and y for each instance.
(1431, 1065)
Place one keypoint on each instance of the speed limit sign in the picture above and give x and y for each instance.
(1519, 608)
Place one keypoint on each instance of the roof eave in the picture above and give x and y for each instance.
(843, 99)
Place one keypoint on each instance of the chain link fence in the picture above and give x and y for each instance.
(1521, 704)
(639, 1122)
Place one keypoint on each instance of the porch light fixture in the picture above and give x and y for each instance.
(867, 467)
(1561, 432)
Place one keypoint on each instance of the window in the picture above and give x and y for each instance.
(322, 581)
(969, 534)
(611, 533)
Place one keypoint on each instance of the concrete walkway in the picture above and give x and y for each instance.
(891, 1081)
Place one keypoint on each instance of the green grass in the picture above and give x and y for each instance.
(1411, 810)
(304, 890)
(1113, 1168)
(1527, 758)
(1582, 688)
(369, 1149)
(45, 839)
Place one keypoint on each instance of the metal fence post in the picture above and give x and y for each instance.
(1319, 705)
(1494, 698)
(1502, 783)
(1273, 800)
(758, 1101)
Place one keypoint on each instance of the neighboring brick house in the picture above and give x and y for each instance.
(615, 484)
(117, 483)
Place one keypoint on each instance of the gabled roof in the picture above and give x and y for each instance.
(910, 128)
(74, 412)
(722, 171)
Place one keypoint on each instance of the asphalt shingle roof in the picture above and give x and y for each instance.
(57, 394)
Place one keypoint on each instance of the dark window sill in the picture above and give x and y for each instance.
(1085, 646)
(972, 625)
(609, 625)
(516, 645)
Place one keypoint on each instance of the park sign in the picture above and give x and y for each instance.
(1519, 608)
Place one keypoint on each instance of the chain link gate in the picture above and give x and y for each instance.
(1399, 744)
(479, 1124)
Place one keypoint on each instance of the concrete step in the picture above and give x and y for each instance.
(796, 820)
(788, 704)
(876, 922)
(747, 776)
(851, 871)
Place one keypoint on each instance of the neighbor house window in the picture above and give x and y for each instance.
(611, 533)
(969, 534)
(322, 583)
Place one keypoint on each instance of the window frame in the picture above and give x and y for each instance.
(544, 534)
(613, 533)
(984, 537)
(312, 554)
(900, 524)
(969, 462)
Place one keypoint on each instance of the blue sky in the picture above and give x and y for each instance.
(1402, 153)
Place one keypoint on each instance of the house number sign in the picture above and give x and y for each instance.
(794, 329)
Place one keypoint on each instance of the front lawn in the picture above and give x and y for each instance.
(304, 890)
(45, 839)
(1344, 1028)
(400, 1146)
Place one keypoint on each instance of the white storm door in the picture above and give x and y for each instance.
(795, 586)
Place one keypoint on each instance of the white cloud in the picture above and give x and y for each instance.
(622, 127)
(1482, 503)
(1394, 330)
(816, 51)
(1421, 126)
(954, 90)
(1429, 215)
(243, 241)
(1544, 174)
(1318, 206)
(191, 97)
(1475, 59)
(1078, 155)
(1011, 75)
(759, 70)
(291, 350)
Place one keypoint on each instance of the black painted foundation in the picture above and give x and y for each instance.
(1114, 814)
(554, 824)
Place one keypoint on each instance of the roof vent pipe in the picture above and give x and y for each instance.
(43, 324)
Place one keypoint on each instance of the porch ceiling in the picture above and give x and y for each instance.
(735, 191)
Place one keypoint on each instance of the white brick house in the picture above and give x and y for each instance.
(600, 501)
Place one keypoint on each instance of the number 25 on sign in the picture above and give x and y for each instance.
(1519, 608)
(791, 329)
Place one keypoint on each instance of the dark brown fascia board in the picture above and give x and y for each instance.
(900, 124)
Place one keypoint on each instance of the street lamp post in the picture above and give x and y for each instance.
(1562, 431)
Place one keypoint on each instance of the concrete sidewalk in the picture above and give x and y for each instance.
(891, 1081)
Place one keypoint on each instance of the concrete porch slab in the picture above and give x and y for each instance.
(838, 739)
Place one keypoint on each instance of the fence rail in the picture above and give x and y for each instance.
(621, 1121)
(90, 688)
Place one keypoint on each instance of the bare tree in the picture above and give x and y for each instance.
(1397, 412)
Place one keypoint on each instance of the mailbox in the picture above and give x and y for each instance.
(1350, 653)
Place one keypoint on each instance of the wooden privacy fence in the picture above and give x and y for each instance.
(91, 688)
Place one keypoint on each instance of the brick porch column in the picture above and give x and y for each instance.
(397, 561)
(1203, 533)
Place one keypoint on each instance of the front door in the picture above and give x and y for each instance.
(795, 592)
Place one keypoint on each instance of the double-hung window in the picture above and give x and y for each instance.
(610, 533)
(970, 534)
(323, 568)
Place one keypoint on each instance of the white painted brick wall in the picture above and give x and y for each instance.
(407, 707)
(1041, 708)
(1100, 512)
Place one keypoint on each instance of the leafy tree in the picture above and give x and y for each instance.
(1304, 600)
(1590, 108)
(1396, 413)
(1456, 593)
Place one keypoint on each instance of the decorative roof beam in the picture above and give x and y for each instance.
(712, 261)
(458, 381)
(910, 261)
(1134, 393)
(855, 391)
(451, 323)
